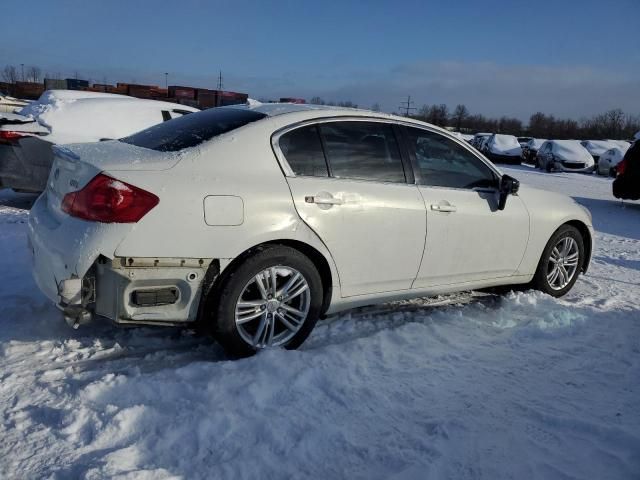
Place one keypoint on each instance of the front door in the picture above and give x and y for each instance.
(468, 238)
(349, 186)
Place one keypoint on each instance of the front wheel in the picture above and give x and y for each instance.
(272, 299)
(561, 262)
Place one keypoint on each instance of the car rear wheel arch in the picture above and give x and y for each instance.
(211, 291)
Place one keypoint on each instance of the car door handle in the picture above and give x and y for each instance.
(323, 200)
(443, 208)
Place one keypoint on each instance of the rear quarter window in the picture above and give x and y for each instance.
(193, 129)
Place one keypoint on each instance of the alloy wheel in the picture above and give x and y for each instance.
(272, 307)
(563, 263)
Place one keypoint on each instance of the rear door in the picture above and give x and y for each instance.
(468, 238)
(349, 185)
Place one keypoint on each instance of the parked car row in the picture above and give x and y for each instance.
(585, 156)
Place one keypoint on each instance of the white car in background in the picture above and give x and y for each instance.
(611, 158)
(565, 156)
(504, 149)
(66, 116)
(252, 223)
(597, 147)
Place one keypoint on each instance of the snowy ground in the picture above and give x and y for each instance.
(521, 386)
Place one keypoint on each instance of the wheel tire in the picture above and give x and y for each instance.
(223, 314)
(613, 172)
(540, 281)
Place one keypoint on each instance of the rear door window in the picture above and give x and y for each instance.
(303, 150)
(193, 129)
(362, 151)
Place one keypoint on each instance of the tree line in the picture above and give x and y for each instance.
(614, 124)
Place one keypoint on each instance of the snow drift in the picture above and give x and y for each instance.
(461, 387)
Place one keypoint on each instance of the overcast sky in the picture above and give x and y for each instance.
(566, 57)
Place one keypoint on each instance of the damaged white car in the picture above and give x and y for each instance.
(253, 222)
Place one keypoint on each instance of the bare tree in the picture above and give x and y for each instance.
(460, 114)
(375, 107)
(34, 74)
(10, 74)
(317, 101)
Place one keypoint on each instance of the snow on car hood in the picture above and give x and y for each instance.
(505, 145)
(571, 151)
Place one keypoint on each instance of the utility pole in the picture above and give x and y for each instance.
(407, 106)
(220, 80)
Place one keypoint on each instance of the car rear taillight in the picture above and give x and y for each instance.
(107, 200)
(622, 166)
(9, 136)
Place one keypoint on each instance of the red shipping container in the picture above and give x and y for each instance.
(182, 92)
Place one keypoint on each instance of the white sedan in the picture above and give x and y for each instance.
(252, 223)
(565, 156)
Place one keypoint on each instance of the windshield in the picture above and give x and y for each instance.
(192, 129)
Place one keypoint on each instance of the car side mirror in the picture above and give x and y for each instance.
(508, 186)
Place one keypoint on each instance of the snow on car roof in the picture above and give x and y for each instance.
(52, 100)
(74, 117)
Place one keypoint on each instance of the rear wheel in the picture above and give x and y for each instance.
(272, 299)
(561, 262)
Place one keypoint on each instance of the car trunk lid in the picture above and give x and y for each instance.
(75, 165)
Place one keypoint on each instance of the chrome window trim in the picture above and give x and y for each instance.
(288, 171)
